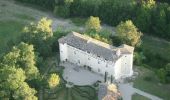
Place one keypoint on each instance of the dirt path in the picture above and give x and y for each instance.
(9, 10)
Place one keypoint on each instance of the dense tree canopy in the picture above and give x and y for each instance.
(128, 33)
(13, 85)
(39, 34)
(22, 56)
(144, 13)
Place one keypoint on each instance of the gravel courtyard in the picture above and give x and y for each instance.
(79, 76)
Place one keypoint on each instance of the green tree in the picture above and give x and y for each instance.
(159, 21)
(23, 56)
(40, 35)
(128, 33)
(143, 19)
(13, 85)
(93, 24)
(148, 3)
(53, 80)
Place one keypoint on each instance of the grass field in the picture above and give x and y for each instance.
(157, 46)
(9, 30)
(147, 81)
(139, 97)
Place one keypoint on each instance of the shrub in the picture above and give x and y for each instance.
(53, 80)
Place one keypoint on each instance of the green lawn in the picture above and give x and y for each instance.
(24, 17)
(139, 97)
(157, 46)
(148, 82)
(9, 30)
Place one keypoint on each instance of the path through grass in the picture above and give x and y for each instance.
(147, 81)
(139, 97)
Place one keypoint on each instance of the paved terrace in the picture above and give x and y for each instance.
(79, 76)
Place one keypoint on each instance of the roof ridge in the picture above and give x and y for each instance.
(90, 39)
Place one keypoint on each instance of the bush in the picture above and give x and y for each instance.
(53, 80)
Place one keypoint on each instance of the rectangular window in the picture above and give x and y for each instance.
(98, 70)
(79, 61)
(98, 62)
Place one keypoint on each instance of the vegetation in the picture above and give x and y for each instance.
(74, 93)
(13, 85)
(93, 24)
(40, 35)
(22, 56)
(149, 82)
(139, 97)
(9, 30)
(149, 16)
(128, 33)
(79, 21)
(17, 66)
(53, 80)
(49, 4)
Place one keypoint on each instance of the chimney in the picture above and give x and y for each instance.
(118, 53)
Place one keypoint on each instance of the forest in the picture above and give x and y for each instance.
(151, 17)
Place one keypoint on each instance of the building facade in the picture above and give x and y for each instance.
(100, 57)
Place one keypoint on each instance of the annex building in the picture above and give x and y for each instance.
(100, 57)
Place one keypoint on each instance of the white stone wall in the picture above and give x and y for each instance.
(122, 66)
(126, 65)
(117, 69)
(63, 51)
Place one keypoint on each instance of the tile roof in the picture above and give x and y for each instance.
(96, 47)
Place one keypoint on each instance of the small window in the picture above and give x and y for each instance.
(88, 58)
(98, 62)
(125, 56)
(106, 65)
(74, 52)
(98, 70)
